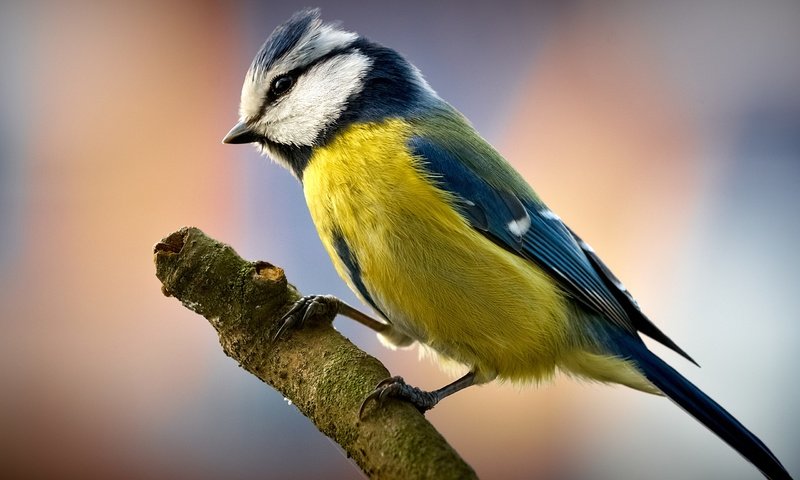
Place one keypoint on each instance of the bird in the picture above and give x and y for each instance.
(433, 229)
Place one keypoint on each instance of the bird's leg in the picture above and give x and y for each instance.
(396, 387)
(312, 305)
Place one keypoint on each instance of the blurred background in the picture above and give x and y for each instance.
(666, 133)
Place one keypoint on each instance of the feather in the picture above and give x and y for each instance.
(698, 404)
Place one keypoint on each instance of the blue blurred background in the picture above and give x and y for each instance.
(666, 133)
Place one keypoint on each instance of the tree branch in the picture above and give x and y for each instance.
(315, 367)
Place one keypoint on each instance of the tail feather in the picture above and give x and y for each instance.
(702, 407)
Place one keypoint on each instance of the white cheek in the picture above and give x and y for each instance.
(316, 101)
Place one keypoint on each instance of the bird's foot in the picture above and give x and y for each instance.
(306, 308)
(396, 387)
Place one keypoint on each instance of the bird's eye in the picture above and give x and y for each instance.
(281, 85)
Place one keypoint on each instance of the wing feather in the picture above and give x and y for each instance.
(501, 214)
(512, 217)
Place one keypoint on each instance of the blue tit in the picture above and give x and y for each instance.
(434, 230)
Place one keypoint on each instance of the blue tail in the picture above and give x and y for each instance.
(700, 406)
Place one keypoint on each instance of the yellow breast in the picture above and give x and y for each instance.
(436, 278)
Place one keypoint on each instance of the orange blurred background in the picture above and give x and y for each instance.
(666, 134)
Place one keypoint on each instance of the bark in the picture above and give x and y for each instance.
(324, 375)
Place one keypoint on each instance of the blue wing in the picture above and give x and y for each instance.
(526, 227)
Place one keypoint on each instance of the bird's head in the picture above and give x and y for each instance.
(310, 79)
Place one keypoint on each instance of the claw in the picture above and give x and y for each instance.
(372, 396)
(387, 381)
(304, 309)
(397, 387)
(378, 394)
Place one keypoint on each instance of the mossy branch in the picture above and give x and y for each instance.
(315, 367)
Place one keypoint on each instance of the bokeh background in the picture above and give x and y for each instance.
(666, 133)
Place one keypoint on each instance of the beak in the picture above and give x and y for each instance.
(240, 133)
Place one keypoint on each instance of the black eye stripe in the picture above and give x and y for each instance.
(295, 73)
